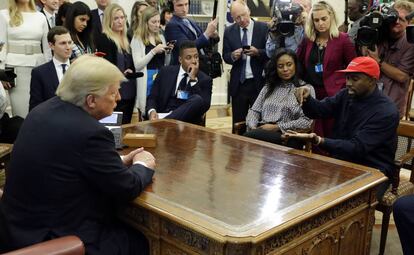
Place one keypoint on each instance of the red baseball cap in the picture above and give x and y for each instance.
(366, 65)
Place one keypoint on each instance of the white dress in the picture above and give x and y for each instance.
(31, 33)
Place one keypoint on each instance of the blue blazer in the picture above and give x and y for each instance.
(232, 41)
(66, 178)
(177, 30)
(43, 84)
(165, 84)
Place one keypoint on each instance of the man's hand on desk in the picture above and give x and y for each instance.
(153, 115)
(307, 137)
(128, 159)
(145, 158)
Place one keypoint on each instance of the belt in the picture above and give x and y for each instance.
(24, 49)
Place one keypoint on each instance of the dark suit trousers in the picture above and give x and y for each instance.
(190, 110)
(243, 100)
(404, 220)
(273, 137)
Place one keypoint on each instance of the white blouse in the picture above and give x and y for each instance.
(33, 31)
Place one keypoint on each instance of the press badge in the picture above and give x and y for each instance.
(182, 94)
(319, 68)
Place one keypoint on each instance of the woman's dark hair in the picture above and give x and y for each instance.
(164, 11)
(78, 9)
(272, 79)
(63, 10)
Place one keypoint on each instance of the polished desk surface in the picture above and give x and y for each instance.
(235, 188)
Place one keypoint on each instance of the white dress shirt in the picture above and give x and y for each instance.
(59, 69)
(249, 72)
(49, 16)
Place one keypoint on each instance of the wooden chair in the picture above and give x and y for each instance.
(398, 187)
(68, 245)
(241, 127)
(5, 151)
(408, 114)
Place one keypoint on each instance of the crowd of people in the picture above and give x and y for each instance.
(315, 85)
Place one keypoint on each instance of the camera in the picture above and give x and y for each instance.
(374, 26)
(285, 13)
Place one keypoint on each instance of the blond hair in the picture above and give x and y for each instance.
(143, 30)
(87, 75)
(404, 5)
(16, 17)
(310, 30)
(121, 41)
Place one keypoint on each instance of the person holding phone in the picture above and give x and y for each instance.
(247, 56)
(181, 92)
(150, 52)
(113, 45)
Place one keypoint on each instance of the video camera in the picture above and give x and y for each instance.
(285, 13)
(374, 26)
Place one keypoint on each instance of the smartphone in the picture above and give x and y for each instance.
(171, 42)
(246, 47)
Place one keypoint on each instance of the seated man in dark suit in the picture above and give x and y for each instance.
(182, 91)
(65, 176)
(366, 121)
(45, 78)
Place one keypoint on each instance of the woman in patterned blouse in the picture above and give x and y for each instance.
(276, 109)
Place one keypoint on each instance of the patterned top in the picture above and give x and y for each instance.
(78, 50)
(281, 108)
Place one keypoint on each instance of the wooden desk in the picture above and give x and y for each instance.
(217, 193)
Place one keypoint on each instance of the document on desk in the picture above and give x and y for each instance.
(162, 115)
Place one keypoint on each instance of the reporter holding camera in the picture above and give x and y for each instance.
(247, 56)
(286, 36)
(113, 42)
(150, 52)
(323, 51)
(396, 58)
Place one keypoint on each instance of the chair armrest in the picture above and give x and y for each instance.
(240, 127)
(405, 158)
(68, 245)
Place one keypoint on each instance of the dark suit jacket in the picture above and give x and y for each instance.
(66, 178)
(232, 41)
(177, 30)
(338, 53)
(43, 84)
(96, 21)
(165, 84)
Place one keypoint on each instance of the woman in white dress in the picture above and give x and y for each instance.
(149, 52)
(24, 33)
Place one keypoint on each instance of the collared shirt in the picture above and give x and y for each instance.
(353, 31)
(400, 55)
(281, 107)
(49, 18)
(100, 13)
(59, 69)
(365, 129)
(180, 76)
(249, 72)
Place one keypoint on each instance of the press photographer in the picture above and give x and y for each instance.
(355, 10)
(388, 45)
(286, 27)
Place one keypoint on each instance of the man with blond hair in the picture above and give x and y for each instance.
(66, 178)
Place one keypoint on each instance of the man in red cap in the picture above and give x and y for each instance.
(366, 121)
